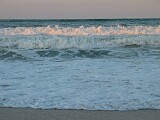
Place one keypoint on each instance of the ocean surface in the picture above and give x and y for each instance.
(80, 64)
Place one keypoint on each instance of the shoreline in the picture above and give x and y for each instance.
(10, 113)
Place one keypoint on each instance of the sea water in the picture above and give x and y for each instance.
(80, 64)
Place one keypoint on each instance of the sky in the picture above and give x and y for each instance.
(79, 9)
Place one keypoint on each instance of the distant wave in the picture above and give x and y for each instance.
(70, 31)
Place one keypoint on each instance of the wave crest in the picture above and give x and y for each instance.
(80, 42)
(70, 31)
(26, 47)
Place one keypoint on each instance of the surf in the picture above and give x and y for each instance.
(82, 30)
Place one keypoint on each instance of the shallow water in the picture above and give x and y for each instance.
(80, 64)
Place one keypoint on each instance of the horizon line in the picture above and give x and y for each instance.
(76, 18)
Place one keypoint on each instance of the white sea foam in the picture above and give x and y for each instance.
(80, 42)
(95, 84)
(70, 31)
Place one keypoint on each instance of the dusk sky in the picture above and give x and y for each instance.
(82, 9)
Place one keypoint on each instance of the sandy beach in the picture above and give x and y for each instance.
(52, 114)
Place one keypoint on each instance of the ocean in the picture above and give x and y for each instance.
(111, 64)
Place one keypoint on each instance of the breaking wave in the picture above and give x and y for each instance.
(71, 31)
(80, 42)
(39, 46)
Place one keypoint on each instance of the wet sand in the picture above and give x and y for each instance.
(53, 114)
